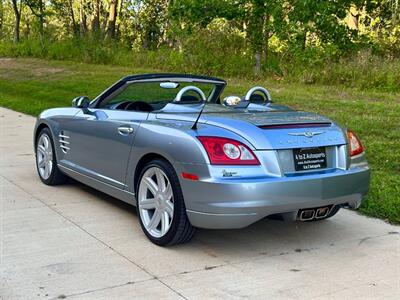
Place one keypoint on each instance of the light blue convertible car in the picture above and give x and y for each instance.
(168, 144)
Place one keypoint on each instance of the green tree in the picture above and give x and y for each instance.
(17, 6)
(38, 9)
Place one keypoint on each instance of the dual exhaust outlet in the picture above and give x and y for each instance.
(314, 213)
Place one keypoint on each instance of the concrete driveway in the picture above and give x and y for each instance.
(73, 242)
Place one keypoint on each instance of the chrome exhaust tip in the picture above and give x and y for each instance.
(307, 215)
(322, 212)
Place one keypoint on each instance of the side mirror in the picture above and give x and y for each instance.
(81, 102)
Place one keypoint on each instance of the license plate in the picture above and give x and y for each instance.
(306, 159)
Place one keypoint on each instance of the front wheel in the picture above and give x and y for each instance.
(46, 162)
(160, 205)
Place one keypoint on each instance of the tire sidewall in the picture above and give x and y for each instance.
(179, 207)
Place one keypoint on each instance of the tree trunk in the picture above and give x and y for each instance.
(104, 24)
(355, 20)
(95, 23)
(41, 20)
(72, 16)
(355, 15)
(38, 8)
(17, 14)
(112, 18)
(266, 49)
(120, 16)
(27, 30)
(1, 17)
(257, 65)
(267, 35)
(82, 19)
(255, 33)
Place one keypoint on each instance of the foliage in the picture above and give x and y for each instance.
(362, 70)
(268, 32)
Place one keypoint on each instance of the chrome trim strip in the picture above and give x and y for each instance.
(63, 136)
(65, 142)
(64, 147)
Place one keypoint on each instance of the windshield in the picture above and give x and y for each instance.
(159, 92)
(182, 95)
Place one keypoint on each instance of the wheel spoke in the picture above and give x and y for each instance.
(160, 180)
(164, 223)
(169, 208)
(168, 192)
(46, 171)
(41, 149)
(155, 220)
(41, 163)
(151, 185)
(148, 203)
(45, 142)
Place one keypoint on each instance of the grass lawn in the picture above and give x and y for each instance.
(32, 85)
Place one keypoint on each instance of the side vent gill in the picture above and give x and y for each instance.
(64, 142)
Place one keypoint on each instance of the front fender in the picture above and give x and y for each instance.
(53, 119)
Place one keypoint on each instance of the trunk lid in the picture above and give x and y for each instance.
(279, 128)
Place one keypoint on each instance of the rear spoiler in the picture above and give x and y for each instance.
(295, 125)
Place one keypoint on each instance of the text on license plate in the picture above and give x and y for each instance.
(309, 158)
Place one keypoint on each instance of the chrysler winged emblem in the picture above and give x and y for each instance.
(308, 134)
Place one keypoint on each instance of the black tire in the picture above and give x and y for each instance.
(56, 176)
(333, 212)
(181, 231)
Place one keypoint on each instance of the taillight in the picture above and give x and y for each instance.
(355, 145)
(224, 151)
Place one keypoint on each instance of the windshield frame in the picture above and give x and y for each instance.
(120, 85)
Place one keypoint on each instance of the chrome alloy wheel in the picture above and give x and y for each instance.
(156, 202)
(44, 156)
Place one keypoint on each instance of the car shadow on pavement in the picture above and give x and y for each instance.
(265, 237)
(104, 197)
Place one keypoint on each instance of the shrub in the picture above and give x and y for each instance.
(217, 51)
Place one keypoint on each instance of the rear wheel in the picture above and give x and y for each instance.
(46, 163)
(160, 205)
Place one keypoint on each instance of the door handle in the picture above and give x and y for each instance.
(124, 130)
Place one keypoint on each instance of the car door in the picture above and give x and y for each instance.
(99, 142)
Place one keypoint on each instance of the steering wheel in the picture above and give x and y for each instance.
(186, 89)
(139, 106)
(258, 89)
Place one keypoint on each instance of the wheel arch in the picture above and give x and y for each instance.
(39, 128)
(144, 160)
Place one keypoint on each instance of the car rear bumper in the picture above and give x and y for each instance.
(237, 203)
